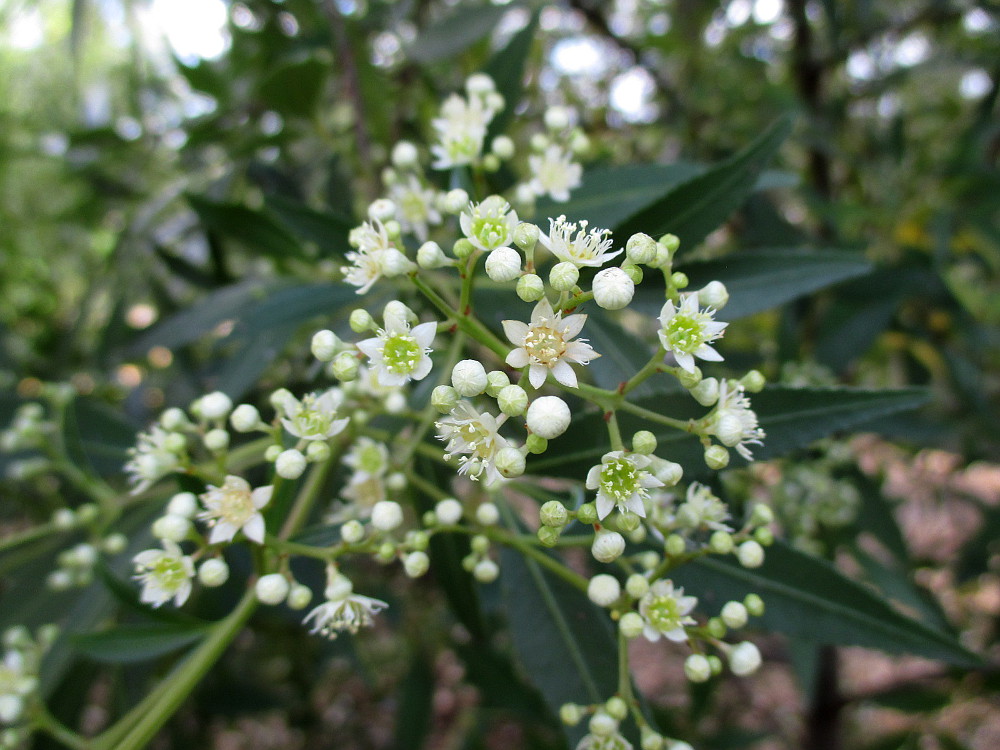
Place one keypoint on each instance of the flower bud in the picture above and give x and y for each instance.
(553, 513)
(764, 536)
(637, 585)
(689, 379)
(394, 263)
(706, 392)
(430, 255)
(11, 709)
(530, 287)
(213, 572)
(456, 201)
(172, 528)
(479, 84)
(536, 444)
(679, 280)
(651, 740)
(716, 457)
(245, 418)
(669, 473)
(448, 511)
(602, 725)
(345, 367)
(634, 272)
(510, 462)
(387, 515)
(604, 590)
(488, 514)
(675, 545)
(640, 248)
(539, 142)
(503, 264)
(761, 515)
(616, 708)
(444, 398)
(548, 535)
(272, 588)
(381, 209)
(405, 155)
(271, 453)
(64, 519)
(728, 428)
(670, 243)
(613, 289)
(469, 377)
(324, 345)
(496, 381)
(557, 118)
(113, 544)
(714, 294)
(416, 564)
(317, 450)
(631, 624)
(503, 147)
(352, 531)
(608, 546)
(744, 659)
(183, 504)
(216, 405)
(754, 604)
(563, 276)
(587, 513)
(570, 714)
(526, 235)
(361, 321)
(463, 248)
(290, 464)
(750, 554)
(579, 142)
(299, 596)
(486, 571)
(282, 400)
(216, 440)
(734, 614)
(644, 442)
(697, 668)
(548, 417)
(721, 542)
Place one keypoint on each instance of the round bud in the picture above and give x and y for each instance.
(387, 515)
(405, 155)
(456, 201)
(579, 142)
(526, 235)
(216, 440)
(444, 398)
(548, 535)
(762, 515)
(628, 521)
(272, 588)
(557, 118)
(651, 740)
(448, 511)
(490, 162)
(613, 289)
(317, 451)
(463, 248)
(430, 255)
(750, 554)
(503, 264)
(174, 419)
(183, 504)
(631, 624)
(644, 442)
(554, 513)
(396, 481)
(394, 263)
(754, 604)
(536, 444)
(496, 381)
(602, 725)
(679, 280)
(716, 627)
(716, 457)
(282, 400)
(488, 514)
(352, 531)
(530, 287)
(299, 596)
(271, 453)
(479, 84)
(64, 519)
(587, 514)
(714, 294)
(753, 381)
(11, 708)
(764, 536)
(245, 418)
(637, 585)
(570, 714)
(215, 405)
(563, 276)
(469, 377)
(479, 544)
(324, 345)
(604, 590)
(418, 540)
(697, 668)
(744, 659)
(59, 580)
(633, 272)
(706, 392)
(172, 528)
(213, 572)
(114, 543)
(669, 473)
(84, 555)
(290, 464)
(416, 564)
(510, 462)
(381, 209)
(675, 545)
(539, 142)
(548, 417)
(608, 546)
(486, 571)
(640, 248)
(616, 708)
(345, 367)
(174, 442)
(728, 428)
(721, 542)
(670, 243)
(689, 379)
(734, 614)
(503, 147)
(361, 321)
(512, 400)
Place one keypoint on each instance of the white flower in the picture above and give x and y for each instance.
(489, 224)
(343, 610)
(545, 345)
(744, 659)
(415, 205)
(234, 507)
(586, 248)
(666, 611)
(164, 574)
(368, 459)
(613, 741)
(468, 431)
(16, 678)
(398, 354)
(364, 494)
(734, 422)
(461, 129)
(375, 257)
(621, 480)
(315, 417)
(687, 331)
(554, 172)
(702, 508)
(151, 459)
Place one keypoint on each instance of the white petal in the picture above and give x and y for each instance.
(580, 351)
(666, 312)
(515, 331)
(707, 353)
(222, 532)
(254, 528)
(572, 325)
(593, 477)
(563, 373)
(372, 347)
(423, 367)
(424, 333)
(685, 361)
(262, 496)
(536, 375)
(635, 505)
(337, 426)
(517, 358)
(390, 379)
(604, 505)
(542, 311)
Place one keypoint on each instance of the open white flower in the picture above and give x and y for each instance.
(164, 574)
(545, 345)
(376, 256)
(621, 480)
(581, 248)
(687, 331)
(702, 509)
(151, 459)
(666, 611)
(734, 422)
(343, 610)
(235, 507)
(461, 130)
(315, 416)
(489, 224)
(416, 206)
(398, 354)
(554, 172)
(367, 458)
(467, 431)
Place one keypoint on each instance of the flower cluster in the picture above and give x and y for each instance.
(19, 681)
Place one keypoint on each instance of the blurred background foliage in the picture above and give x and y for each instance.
(175, 177)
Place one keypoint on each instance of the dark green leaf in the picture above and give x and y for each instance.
(696, 207)
(96, 436)
(414, 713)
(329, 231)
(133, 643)
(808, 597)
(622, 353)
(295, 88)
(506, 68)
(455, 32)
(253, 229)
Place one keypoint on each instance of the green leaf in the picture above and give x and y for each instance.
(96, 436)
(564, 643)
(763, 279)
(696, 207)
(506, 68)
(127, 644)
(455, 32)
(329, 231)
(295, 88)
(414, 712)
(808, 597)
(791, 417)
(253, 229)
(622, 353)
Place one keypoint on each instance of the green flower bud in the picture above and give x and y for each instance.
(526, 236)
(324, 345)
(637, 585)
(496, 381)
(675, 545)
(651, 740)
(753, 381)
(352, 531)
(548, 535)
(670, 243)
(416, 564)
(734, 614)
(299, 596)
(631, 625)
(444, 398)
(616, 708)
(491, 162)
(679, 280)
(715, 663)
(721, 542)
(716, 457)
(689, 379)
(628, 521)
(697, 668)
(570, 714)
(554, 513)
(362, 321)
(644, 442)
(486, 571)
(716, 627)
(754, 604)
(602, 725)
(537, 444)
(750, 554)
(563, 276)
(513, 401)
(510, 462)
(640, 248)
(345, 367)
(764, 536)
(386, 552)
(488, 514)
(762, 515)
(213, 572)
(587, 514)
(633, 272)
(714, 295)
(463, 248)
(530, 287)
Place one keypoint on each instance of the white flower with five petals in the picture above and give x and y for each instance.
(164, 574)
(554, 172)
(545, 345)
(687, 331)
(343, 610)
(579, 247)
(666, 611)
(468, 431)
(235, 507)
(621, 481)
(314, 417)
(398, 354)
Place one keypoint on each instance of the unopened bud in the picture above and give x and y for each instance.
(716, 457)
(613, 289)
(640, 248)
(604, 590)
(608, 546)
(530, 287)
(548, 417)
(563, 276)
(503, 264)
(468, 377)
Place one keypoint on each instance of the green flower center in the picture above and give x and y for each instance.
(236, 507)
(685, 333)
(370, 459)
(169, 573)
(664, 613)
(490, 230)
(478, 437)
(401, 353)
(544, 344)
(620, 479)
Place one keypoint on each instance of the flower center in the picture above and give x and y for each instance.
(370, 459)
(490, 230)
(663, 613)
(620, 479)
(401, 353)
(685, 333)
(236, 506)
(169, 573)
(479, 439)
(545, 344)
